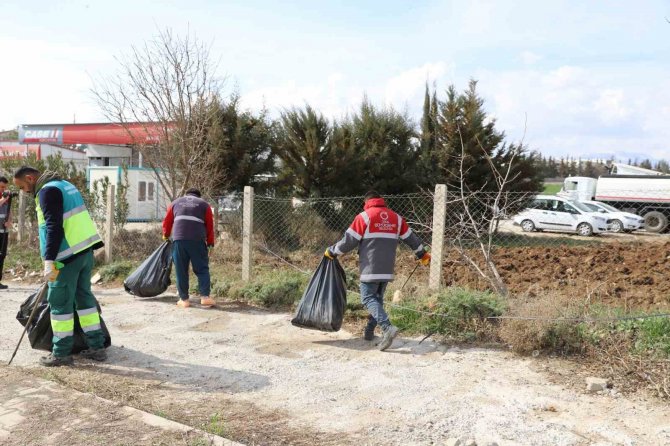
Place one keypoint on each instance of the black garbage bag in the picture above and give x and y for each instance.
(325, 299)
(40, 334)
(152, 277)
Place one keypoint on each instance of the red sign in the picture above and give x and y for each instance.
(112, 134)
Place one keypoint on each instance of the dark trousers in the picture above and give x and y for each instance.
(4, 242)
(195, 253)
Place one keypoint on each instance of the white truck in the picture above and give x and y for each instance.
(631, 189)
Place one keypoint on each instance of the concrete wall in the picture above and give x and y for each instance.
(146, 200)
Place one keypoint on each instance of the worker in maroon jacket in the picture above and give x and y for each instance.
(190, 222)
(376, 232)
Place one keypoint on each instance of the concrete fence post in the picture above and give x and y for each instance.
(23, 204)
(437, 244)
(247, 232)
(109, 223)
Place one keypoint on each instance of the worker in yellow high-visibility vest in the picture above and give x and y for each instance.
(68, 237)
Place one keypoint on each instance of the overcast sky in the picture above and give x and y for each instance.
(591, 77)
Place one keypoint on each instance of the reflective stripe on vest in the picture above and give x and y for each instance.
(75, 211)
(78, 227)
(188, 217)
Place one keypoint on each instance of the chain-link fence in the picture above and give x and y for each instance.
(618, 245)
(529, 243)
(295, 232)
(134, 240)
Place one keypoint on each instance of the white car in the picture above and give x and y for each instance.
(621, 221)
(549, 212)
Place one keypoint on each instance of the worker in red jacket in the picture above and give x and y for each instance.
(376, 232)
(190, 222)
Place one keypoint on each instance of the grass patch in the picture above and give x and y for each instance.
(274, 289)
(650, 336)
(462, 313)
(23, 258)
(220, 289)
(556, 329)
(552, 188)
(116, 270)
(215, 425)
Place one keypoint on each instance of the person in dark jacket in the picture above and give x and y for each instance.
(5, 224)
(376, 232)
(190, 222)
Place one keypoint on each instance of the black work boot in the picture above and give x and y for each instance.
(369, 333)
(3, 286)
(56, 361)
(99, 354)
(388, 336)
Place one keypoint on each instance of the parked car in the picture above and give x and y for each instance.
(549, 212)
(230, 203)
(621, 221)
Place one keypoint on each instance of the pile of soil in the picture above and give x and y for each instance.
(629, 275)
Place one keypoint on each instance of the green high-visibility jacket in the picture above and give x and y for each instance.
(78, 226)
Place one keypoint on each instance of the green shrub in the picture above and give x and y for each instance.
(220, 289)
(352, 277)
(649, 335)
(116, 270)
(461, 314)
(275, 290)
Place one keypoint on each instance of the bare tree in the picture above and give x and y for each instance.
(475, 214)
(166, 95)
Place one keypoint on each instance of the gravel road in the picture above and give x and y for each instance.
(336, 383)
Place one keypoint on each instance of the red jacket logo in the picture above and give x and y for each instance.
(385, 225)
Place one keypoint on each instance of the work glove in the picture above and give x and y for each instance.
(425, 259)
(210, 247)
(50, 271)
(166, 237)
(329, 254)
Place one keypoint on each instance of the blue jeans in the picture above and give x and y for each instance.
(195, 253)
(372, 296)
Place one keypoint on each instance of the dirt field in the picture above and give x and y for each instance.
(252, 377)
(629, 275)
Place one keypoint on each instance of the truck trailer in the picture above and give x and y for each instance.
(646, 194)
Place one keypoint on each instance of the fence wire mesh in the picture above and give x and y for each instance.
(299, 230)
(135, 240)
(536, 243)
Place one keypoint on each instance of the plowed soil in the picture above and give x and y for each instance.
(629, 275)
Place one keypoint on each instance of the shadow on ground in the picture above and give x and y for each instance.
(229, 306)
(400, 346)
(202, 378)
